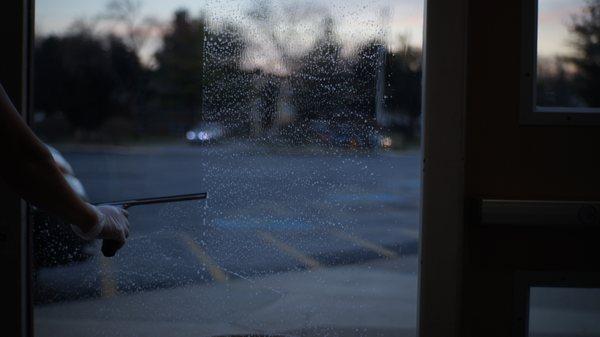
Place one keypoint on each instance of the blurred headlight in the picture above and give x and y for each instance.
(202, 135)
(190, 135)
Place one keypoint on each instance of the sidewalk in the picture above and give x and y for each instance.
(375, 299)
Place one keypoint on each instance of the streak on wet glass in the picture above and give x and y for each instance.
(300, 120)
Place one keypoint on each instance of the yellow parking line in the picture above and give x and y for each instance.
(215, 271)
(366, 244)
(308, 261)
(413, 233)
(108, 285)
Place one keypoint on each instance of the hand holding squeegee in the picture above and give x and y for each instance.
(110, 247)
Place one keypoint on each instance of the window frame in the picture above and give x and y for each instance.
(530, 113)
(444, 104)
(441, 250)
(525, 280)
(16, 20)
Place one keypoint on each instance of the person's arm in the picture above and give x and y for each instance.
(29, 169)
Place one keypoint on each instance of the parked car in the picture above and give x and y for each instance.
(358, 136)
(54, 241)
(205, 133)
(322, 130)
(380, 139)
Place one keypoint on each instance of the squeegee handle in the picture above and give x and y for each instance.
(110, 247)
(160, 200)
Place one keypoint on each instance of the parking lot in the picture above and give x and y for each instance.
(271, 210)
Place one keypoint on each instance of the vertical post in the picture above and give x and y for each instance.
(15, 37)
(382, 116)
(444, 106)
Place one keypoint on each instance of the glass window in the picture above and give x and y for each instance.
(568, 41)
(301, 122)
(564, 312)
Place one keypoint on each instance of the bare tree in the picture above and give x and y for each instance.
(585, 30)
(283, 29)
(127, 15)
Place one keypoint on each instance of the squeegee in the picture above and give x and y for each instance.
(110, 247)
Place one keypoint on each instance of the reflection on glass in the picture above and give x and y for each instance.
(564, 312)
(300, 120)
(568, 71)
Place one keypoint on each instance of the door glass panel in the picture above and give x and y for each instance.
(564, 312)
(568, 41)
(299, 119)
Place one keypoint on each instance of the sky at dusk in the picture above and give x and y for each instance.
(356, 20)
(402, 17)
(553, 19)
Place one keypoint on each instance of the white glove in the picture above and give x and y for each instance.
(112, 225)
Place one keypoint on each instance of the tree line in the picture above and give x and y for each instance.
(198, 74)
(574, 80)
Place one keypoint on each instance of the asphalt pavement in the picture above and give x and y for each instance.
(272, 210)
(374, 299)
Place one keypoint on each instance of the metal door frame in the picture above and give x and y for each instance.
(442, 213)
(444, 95)
(16, 36)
